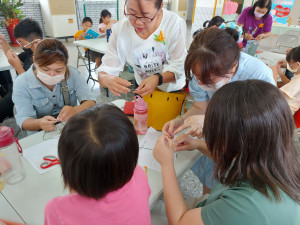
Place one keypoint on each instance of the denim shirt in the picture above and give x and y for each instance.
(34, 100)
(249, 68)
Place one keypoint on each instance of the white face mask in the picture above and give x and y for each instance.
(214, 87)
(290, 69)
(49, 80)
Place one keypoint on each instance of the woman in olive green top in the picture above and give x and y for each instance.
(248, 132)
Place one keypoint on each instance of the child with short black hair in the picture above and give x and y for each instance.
(105, 21)
(98, 150)
(86, 24)
(291, 90)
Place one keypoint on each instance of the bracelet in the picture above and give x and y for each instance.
(180, 117)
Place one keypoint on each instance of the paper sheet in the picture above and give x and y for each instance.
(35, 154)
(146, 146)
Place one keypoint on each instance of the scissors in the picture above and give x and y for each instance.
(49, 160)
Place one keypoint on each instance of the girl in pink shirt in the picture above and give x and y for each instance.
(105, 21)
(98, 150)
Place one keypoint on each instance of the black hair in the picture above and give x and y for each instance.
(28, 29)
(157, 4)
(87, 19)
(104, 13)
(233, 33)
(217, 20)
(250, 138)
(262, 4)
(293, 55)
(98, 149)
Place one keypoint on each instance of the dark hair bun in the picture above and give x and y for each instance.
(233, 33)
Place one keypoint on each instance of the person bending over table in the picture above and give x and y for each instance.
(28, 33)
(214, 59)
(248, 132)
(152, 41)
(291, 90)
(38, 93)
(256, 21)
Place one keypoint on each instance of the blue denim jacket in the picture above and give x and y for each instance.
(34, 100)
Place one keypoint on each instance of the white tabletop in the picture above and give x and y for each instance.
(97, 45)
(270, 58)
(30, 196)
(4, 65)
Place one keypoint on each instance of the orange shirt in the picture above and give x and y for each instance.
(77, 35)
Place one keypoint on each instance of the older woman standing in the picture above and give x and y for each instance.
(151, 40)
(256, 21)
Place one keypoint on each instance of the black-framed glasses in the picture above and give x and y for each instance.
(142, 19)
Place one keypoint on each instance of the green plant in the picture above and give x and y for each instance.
(10, 9)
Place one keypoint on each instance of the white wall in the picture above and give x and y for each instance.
(295, 14)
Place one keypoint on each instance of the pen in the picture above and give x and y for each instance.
(146, 172)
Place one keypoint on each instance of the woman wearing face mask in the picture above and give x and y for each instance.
(256, 21)
(38, 93)
(292, 89)
(151, 40)
(213, 60)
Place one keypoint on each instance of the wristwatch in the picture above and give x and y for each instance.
(160, 78)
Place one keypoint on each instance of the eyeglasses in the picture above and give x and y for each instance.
(142, 19)
(28, 43)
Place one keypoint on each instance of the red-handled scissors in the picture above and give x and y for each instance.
(49, 160)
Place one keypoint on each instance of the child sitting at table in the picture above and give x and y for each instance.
(291, 90)
(86, 24)
(214, 22)
(248, 132)
(105, 21)
(98, 150)
(49, 91)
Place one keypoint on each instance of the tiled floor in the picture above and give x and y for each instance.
(189, 183)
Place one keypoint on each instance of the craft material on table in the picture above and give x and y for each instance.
(35, 154)
(147, 145)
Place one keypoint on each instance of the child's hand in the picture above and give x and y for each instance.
(163, 151)
(82, 35)
(13, 59)
(114, 21)
(282, 63)
(185, 143)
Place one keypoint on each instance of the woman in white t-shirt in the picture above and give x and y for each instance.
(151, 40)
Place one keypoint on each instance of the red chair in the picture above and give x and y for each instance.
(297, 118)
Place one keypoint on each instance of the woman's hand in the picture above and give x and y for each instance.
(260, 37)
(115, 84)
(171, 126)
(195, 123)
(248, 36)
(47, 123)
(163, 151)
(282, 63)
(66, 113)
(185, 143)
(147, 86)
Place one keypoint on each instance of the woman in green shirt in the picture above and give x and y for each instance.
(248, 132)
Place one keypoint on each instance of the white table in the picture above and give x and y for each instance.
(98, 45)
(4, 64)
(30, 196)
(270, 58)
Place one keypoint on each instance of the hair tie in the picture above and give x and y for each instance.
(233, 26)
